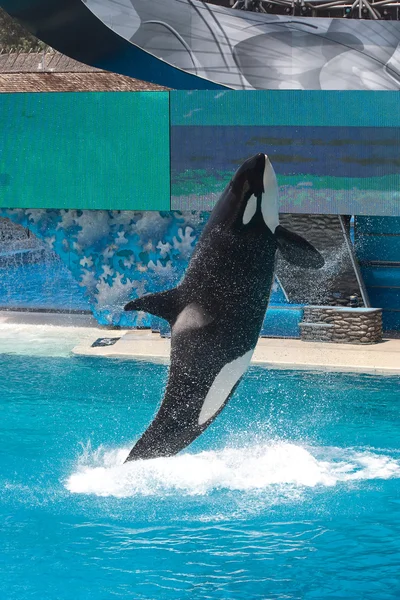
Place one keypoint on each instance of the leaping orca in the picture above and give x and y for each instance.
(216, 312)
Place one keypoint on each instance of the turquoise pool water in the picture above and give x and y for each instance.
(293, 493)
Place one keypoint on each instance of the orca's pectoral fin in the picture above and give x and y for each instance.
(297, 250)
(162, 304)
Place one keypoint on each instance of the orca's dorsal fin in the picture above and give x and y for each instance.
(163, 304)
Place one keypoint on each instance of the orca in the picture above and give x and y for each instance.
(216, 312)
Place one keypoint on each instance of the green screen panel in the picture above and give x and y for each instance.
(96, 150)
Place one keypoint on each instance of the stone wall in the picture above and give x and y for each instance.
(341, 325)
(333, 284)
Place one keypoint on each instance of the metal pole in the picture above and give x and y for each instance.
(370, 10)
(354, 262)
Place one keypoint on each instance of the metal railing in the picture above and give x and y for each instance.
(357, 9)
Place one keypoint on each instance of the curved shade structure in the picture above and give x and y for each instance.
(71, 28)
(194, 45)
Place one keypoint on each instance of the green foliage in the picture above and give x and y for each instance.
(15, 36)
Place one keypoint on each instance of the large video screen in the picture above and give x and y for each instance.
(333, 152)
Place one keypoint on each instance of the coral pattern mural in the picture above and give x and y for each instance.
(117, 255)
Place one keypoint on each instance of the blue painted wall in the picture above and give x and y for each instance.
(377, 242)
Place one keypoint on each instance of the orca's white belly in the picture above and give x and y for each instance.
(222, 386)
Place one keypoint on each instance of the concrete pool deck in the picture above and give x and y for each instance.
(382, 358)
(76, 333)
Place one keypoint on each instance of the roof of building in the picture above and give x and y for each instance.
(54, 72)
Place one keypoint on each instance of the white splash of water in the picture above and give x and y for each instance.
(37, 339)
(258, 467)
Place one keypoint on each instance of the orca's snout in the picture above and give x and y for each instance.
(255, 173)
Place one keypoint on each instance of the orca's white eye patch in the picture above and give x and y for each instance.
(250, 210)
